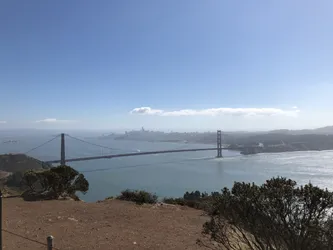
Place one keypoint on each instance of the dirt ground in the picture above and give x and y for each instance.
(105, 225)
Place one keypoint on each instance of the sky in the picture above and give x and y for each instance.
(168, 65)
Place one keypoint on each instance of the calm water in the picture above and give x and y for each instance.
(174, 174)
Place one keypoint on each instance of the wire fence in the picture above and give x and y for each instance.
(48, 244)
(49, 240)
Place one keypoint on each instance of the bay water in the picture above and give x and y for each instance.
(171, 175)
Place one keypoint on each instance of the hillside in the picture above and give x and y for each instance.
(19, 163)
(111, 224)
(323, 130)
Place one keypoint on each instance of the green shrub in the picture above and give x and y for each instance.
(138, 196)
(15, 179)
(57, 181)
(276, 215)
(109, 198)
(175, 201)
(196, 200)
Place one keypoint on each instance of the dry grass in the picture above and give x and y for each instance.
(111, 224)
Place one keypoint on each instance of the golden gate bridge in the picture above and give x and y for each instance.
(63, 160)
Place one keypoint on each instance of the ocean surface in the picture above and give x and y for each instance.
(173, 174)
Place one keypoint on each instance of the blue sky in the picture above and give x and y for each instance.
(196, 65)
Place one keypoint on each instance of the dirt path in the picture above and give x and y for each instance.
(107, 225)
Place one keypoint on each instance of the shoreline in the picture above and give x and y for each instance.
(206, 143)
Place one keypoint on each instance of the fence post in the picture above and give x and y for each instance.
(50, 242)
(1, 218)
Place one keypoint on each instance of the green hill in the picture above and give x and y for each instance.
(20, 163)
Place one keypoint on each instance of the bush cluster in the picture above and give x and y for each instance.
(276, 215)
(53, 183)
(138, 196)
(196, 199)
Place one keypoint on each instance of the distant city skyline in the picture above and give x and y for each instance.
(166, 65)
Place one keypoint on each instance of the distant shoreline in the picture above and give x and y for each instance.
(264, 150)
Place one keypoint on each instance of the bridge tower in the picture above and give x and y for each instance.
(219, 144)
(62, 151)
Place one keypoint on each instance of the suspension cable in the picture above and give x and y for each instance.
(93, 144)
(42, 144)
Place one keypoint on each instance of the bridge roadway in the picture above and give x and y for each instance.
(136, 154)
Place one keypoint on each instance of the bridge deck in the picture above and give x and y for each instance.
(134, 154)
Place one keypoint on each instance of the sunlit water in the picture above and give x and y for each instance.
(174, 174)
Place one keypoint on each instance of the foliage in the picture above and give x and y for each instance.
(138, 196)
(194, 199)
(58, 181)
(194, 195)
(30, 179)
(17, 165)
(65, 179)
(15, 179)
(275, 215)
(109, 198)
(175, 201)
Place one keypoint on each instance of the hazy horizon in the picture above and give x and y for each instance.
(122, 130)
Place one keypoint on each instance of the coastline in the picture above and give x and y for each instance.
(263, 150)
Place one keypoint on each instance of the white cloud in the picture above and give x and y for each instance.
(217, 111)
(54, 120)
(3, 122)
(146, 111)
